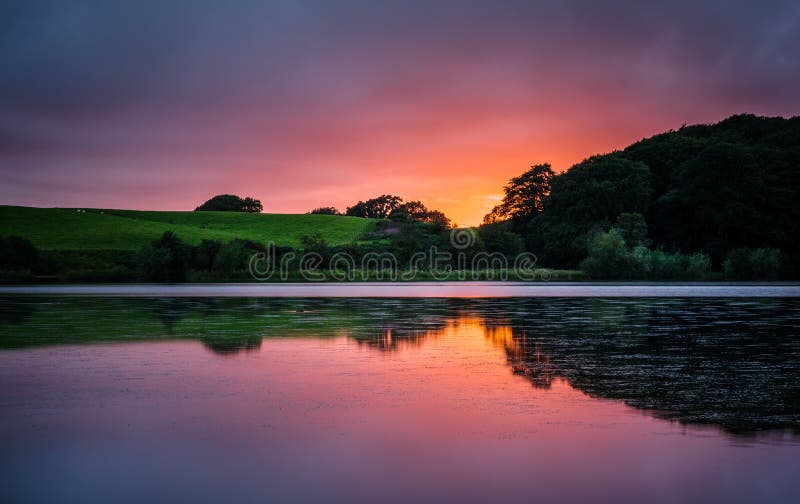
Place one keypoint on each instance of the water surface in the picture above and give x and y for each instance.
(424, 400)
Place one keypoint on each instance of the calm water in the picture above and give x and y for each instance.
(422, 400)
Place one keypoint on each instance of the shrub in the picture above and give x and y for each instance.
(231, 203)
(232, 257)
(666, 266)
(164, 260)
(204, 254)
(329, 210)
(17, 253)
(699, 265)
(633, 229)
(753, 264)
(497, 237)
(314, 243)
(609, 258)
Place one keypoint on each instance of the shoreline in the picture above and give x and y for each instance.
(464, 289)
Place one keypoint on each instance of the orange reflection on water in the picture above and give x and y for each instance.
(395, 414)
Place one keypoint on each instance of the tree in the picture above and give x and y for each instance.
(230, 258)
(375, 208)
(165, 260)
(715, 202)
(250, 205)
(230, 203)
(633, 229)
(524, 197)
(586, 199)
(204, 254)
(497, 237)
(17, 253)
(417, 211)
(329, 210)
(608, 257)
(599, 189)
(753, 264)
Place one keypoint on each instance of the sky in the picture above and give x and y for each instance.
(163, 104)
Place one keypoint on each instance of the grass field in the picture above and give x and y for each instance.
(96, 229)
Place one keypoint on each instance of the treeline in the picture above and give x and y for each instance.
(727, 191)
(389, 206)
(393, 247)
(706, 201)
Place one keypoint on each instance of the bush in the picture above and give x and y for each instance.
(497, 237)
(753, 264)
(314, 243)
(633, 228)
(165, 260)
(17, 254)
(231, 203)
(329, 210)
(609, 258)
(657, 264)
(232, 257)
(204, 254)
(699, 265)
(666, 266)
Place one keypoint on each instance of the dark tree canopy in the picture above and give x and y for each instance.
(417, 211)
(599, 189)
(231, 203)
(165, 260)
(375, 208)
(632, 228)
(17, 252)
(524, 197)
(328, 210)
(700, 189)
(392, 207)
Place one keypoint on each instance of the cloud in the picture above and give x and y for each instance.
(335, 96)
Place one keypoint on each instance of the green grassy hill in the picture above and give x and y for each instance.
(96, 229)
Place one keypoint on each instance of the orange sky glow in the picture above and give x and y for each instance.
(308, 104)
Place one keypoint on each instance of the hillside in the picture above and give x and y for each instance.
(704, 188)
(96, 229)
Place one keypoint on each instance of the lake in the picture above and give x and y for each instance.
(276, 399)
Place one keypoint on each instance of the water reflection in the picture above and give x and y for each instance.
(731, 363)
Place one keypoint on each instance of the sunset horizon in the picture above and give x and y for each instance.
(399, 251)
(464, 202)
(305, 105)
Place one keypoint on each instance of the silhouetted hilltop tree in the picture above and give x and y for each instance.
(524, 197)
(388, 206)
(417, 211)
(231, 203)
(328, 210)
(375, 208)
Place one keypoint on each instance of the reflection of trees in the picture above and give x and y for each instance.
(226, 346)
(732, 363)
(223, 325)
(16, 310)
